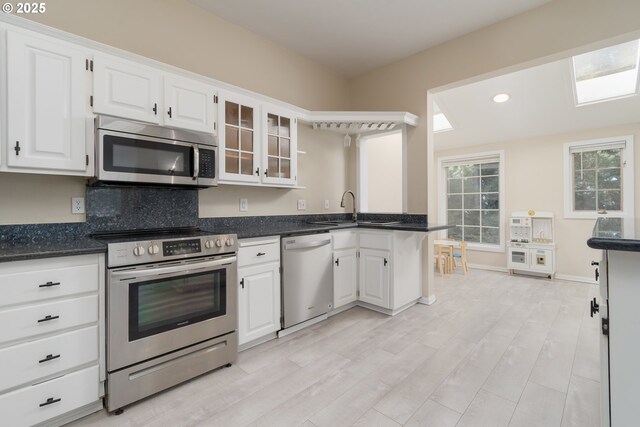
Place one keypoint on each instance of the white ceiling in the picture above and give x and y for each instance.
(542, 103)
(356, 36)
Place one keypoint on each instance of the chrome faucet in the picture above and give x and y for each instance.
(355, 214)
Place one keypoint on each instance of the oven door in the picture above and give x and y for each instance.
(156, 309)
(124, 157)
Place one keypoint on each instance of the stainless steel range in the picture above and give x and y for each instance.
(171, 310)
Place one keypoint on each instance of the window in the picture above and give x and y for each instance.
(472, 190)
(598, 177)
(607, 73)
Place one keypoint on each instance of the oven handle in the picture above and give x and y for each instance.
(182, 268)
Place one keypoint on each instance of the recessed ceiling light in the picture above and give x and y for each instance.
(501, 97)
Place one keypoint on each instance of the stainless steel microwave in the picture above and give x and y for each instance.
(141, 153)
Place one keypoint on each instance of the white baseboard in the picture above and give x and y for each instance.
(580, 279)
(427, 300)
(489, 267)
(567, 277)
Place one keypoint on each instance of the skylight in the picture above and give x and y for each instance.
(607, 73)
(440, 121)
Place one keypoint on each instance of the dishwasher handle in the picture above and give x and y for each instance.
(306, 245)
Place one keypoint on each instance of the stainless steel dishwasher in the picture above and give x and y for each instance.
(307, 277)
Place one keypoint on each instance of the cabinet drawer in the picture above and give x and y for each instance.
(380, 241)
(35, 404)
(251, 254)
(26, 363)
(40, 284)
(344, 239)
(49, 317)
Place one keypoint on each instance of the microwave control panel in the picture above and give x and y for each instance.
(207, 164)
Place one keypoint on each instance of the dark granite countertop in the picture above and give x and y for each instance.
(615, 234)
(33, 241)
(21, 249)
(297, 228)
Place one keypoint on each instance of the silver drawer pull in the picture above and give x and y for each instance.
(49, 284)
(47, 318)
(49, 357)
(50, 401)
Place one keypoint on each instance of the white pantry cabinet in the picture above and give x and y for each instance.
(258, 143)
(345, 267)
(259, 288)
(47, 106)
(134, 91)
(52, 358)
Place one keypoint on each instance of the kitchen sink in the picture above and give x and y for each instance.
(379, 222)
(336, 222)
(350, 222)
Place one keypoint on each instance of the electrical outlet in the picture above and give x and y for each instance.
(326, 205)
(244, 205)
(77, 205)
(302, 205)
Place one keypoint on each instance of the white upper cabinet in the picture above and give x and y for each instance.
(47, 105)
(124, 88)
(189, 104)
(258, 143)
(239, 138)
(279, 158)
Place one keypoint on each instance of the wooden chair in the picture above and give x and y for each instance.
(443, 255)
(460, 253)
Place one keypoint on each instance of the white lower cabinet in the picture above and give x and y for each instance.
(374, 277)
(379, 269)
(41, 402)
(259, 288)
(52, 356)
(345, 277)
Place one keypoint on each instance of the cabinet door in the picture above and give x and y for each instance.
(345, 277)
(259, 301)
(189, 104)
(47, 103)
(280, 149)
(126, 89)
(239, 139)
(374, 277)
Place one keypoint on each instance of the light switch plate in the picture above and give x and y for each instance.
(326, 204)
(302, 205)
(77, 205)
(244, 205)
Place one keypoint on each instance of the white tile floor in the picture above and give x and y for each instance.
(494, 350)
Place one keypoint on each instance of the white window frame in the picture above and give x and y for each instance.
(442, 191)
(627, 177)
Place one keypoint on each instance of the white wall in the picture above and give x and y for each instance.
(534, 180)
(383, 158)
(179, 33)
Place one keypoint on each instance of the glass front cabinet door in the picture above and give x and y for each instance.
(279, 159)
(257, 143)
(239, 139)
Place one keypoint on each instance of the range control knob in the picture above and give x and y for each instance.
(154, 249)
(138, 251)
(230, 241)
(208, 244)
(219, 243)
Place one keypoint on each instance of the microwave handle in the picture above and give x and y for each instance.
(196, 162)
